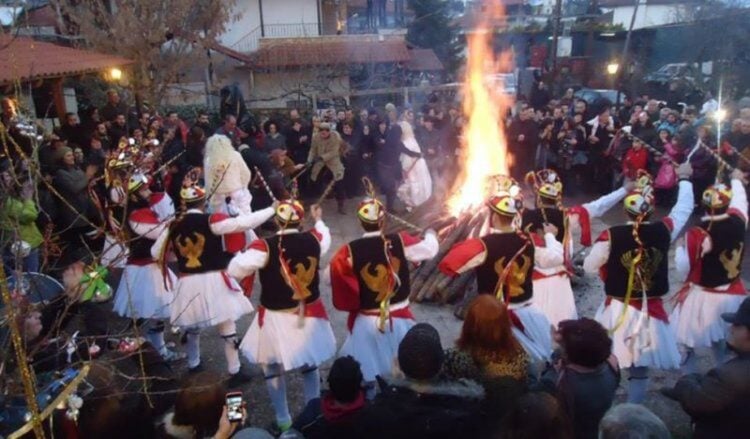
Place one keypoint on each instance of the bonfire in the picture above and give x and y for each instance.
(483, 156)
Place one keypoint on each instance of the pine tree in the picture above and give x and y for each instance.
(432, 29)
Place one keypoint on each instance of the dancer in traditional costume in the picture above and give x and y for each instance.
(370, 281)
(142, 293)
(711, 260)
(504, 261)
(291, 329)
(632, 260)
(553, 294)
(205, 295)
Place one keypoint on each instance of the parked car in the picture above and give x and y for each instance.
(683, 72)
(592, 95)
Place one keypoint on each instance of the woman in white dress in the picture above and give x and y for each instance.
(416, 188)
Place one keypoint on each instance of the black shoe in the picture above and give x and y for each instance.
(196, 369)
(238, 379)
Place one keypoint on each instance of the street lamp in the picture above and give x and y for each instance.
(115, 74)
(720, 115)
(612, 68)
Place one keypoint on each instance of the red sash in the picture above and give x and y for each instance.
(140, 262)
(314, 310)
(537, 275)
(402, 313)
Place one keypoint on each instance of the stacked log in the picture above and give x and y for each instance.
(427, 282)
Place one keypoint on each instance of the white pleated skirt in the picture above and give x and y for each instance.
(536, 337)
(654, 345)
(697, 321)
(282, 341)
(375, 351)
(114, 254)
(141, 293)
(553, 296)
(204, 300)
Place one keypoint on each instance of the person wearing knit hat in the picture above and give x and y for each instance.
(291, 330)
(421, 404)
(370, 280)
(633, 261)
(711, 264)
(142, 292)
(504, 260)
(336, 413)
(204, 294)
(553, 294)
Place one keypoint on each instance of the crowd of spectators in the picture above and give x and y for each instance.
(52, 216)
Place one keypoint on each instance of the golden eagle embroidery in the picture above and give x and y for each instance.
(191, 250)
(381, 281)
(732, 263)
(516, 275)
(647, 268)
(304, 277)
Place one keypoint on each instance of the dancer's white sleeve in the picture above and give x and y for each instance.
(601, 205)
(325, 236)
(423, 250)
(551, 255)
(242, 222)
(597, 257)
(682, 209)
(247, 263)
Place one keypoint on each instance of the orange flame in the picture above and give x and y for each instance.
(484, 150)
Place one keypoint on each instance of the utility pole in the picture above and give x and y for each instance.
(556, 33)
(624, 58)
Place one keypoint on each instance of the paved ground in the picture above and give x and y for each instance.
(588, 293)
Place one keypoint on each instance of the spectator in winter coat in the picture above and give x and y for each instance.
(718, 401)
(635, 159)
(336, 414)
(586, 375)
(420, 405)
(72, 184)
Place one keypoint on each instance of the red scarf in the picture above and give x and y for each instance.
(335, 411)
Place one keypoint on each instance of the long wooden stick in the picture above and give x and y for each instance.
(405, 223)
(264, 183)
(326, 191)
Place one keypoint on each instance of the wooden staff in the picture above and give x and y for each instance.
(264, 183)
(326, 192)
(405, 223)
(716, 156)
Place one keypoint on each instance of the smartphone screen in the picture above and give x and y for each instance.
(234, 407)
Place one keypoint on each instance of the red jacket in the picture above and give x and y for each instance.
(633, 161)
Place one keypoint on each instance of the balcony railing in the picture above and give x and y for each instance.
(250, 41)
